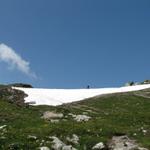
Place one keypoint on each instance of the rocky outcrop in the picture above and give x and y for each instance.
(146, 82)
(123, 143)
(119, 143)
(57, 144)
(12, 95)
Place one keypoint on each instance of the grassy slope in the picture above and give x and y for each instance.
(111, 115)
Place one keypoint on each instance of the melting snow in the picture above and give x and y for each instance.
(56, 97)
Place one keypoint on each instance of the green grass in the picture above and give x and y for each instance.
(115, 114)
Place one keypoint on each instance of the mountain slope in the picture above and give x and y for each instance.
(114, 114)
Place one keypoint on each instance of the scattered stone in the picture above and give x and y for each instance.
(44, 148)
(68, 147)
(123, 143)
(37, 141)
(48, 115)
(1, 127)
(106, 113)
(14, 146)
(100, 129)
(54, 120)
(41, 144)
(2, 138)
(85, 113)
(32, 137)
(89, 110)
(80, 118)
(74, 139)
(64, 120)
(48, 142)
(99, 146)
(134, 134)
(57, 144)
(70, 114)
(144, 131)
(43, 141)
(141, 148)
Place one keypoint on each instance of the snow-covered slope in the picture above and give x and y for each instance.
(56, 97)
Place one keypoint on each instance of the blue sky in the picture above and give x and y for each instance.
(73, 43)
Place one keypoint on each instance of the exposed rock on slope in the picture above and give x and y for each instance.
(74, 139)
(80, 118)
(99, 146)
(57, 144)
(48, 115)
(123, 143)
(12, 95)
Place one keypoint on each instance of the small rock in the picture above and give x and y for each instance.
(54, 120)
(41, 144)
(89, 110)
(99, 146)
(64, 120)
(124, 143)
(56, 143)
(80, 118)
(1, 127)
(68, 147)
(44, 148)
(134, 134)
(144, 131)
(59, 145)
(74, 139)
(72, 115)
(32, 137)
(85, 113)
(100, 129)
(43, 141)
(141, 148)
(2, 138)
(51, 115)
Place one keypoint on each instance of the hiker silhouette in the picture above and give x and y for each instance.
(88, 87)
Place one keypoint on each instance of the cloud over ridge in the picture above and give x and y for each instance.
(14, 60)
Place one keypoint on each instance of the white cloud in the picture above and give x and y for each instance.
(14, 60)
